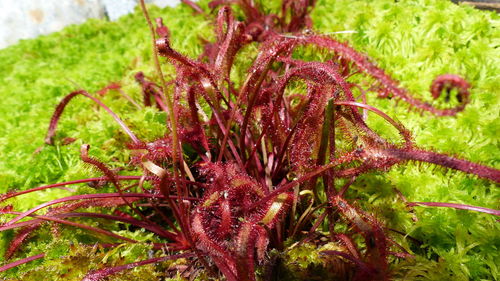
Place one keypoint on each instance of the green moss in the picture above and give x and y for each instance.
(413, 40)
(303, 262)
(36, 74)
(74, 262)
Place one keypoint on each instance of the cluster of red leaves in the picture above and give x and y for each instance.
(256, 148)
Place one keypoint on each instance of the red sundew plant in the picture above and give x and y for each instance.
(238, 192)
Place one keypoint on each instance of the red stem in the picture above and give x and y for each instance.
(14, 194)
(62, 105)
(21, 261)
(85, 197)
(445, 161)
(101, 274)
(457, 206)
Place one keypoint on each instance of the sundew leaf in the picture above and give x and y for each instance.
(248, 132)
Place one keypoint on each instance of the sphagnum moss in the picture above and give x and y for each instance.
(463, 43)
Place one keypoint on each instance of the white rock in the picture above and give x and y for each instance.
(117, 8)
(30, 18)
(24, 19)
(164, 3)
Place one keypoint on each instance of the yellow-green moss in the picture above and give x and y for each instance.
(413, 40)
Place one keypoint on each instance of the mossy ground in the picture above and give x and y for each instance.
(413, 40)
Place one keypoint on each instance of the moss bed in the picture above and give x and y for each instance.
(413, 40)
